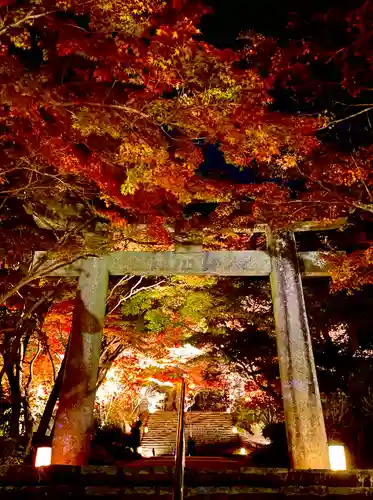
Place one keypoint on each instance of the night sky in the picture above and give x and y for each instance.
(232, 18)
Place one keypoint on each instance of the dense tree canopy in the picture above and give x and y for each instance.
(114, 107)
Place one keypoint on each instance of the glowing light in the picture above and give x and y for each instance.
(147, 453)
(110, 388)
(40, 391)
(234, 430)
(43, 456)
(146, 362)
(243, 451)
(155, 401)
(161, 382)
(339, 334)
(146, 429)
(337, 457)
(185, 352)
(139, 450)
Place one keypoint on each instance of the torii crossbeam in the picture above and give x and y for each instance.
(302, 406)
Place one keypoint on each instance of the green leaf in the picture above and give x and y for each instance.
(197, 306)
(156, 321)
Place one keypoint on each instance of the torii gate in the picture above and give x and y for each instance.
(307, 441)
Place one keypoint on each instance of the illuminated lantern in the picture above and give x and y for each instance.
(43, 456)
(146, 429)
(337, 457)
(243, 451)
(234, 430)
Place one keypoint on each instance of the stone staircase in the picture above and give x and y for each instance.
(208, 429)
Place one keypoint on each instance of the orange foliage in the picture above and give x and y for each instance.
(134, 107)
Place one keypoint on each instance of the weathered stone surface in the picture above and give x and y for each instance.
(300, 391)
(246, 263)
(313, 265)
(224, 263)
(252, 263)
(75, 411)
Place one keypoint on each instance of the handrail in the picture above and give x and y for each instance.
(180, 448)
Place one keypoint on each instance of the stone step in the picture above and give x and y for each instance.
(207, 428)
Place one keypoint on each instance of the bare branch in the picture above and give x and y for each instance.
(134, 292)
(123, 280)
(119, 107)
(334, 122)
(129, 295)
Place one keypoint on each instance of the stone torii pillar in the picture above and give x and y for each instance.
(305, 428)
(75, 411)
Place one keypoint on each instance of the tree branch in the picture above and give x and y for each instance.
(31, 374)
(25, 19)
(120, 107)
(52, 362)
(134, 292)
(334, 122)
(36, 273)
(124, 279)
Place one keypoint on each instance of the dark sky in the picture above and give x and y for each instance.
(233, 17)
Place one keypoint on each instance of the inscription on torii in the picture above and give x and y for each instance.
(219, 263)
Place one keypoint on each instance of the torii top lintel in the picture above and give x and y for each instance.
(195, 261)
(222, 263)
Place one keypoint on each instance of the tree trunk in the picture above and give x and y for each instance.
(15, 347)
(41, 433)
(29, 424)
(12, 362)
(2, 373)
